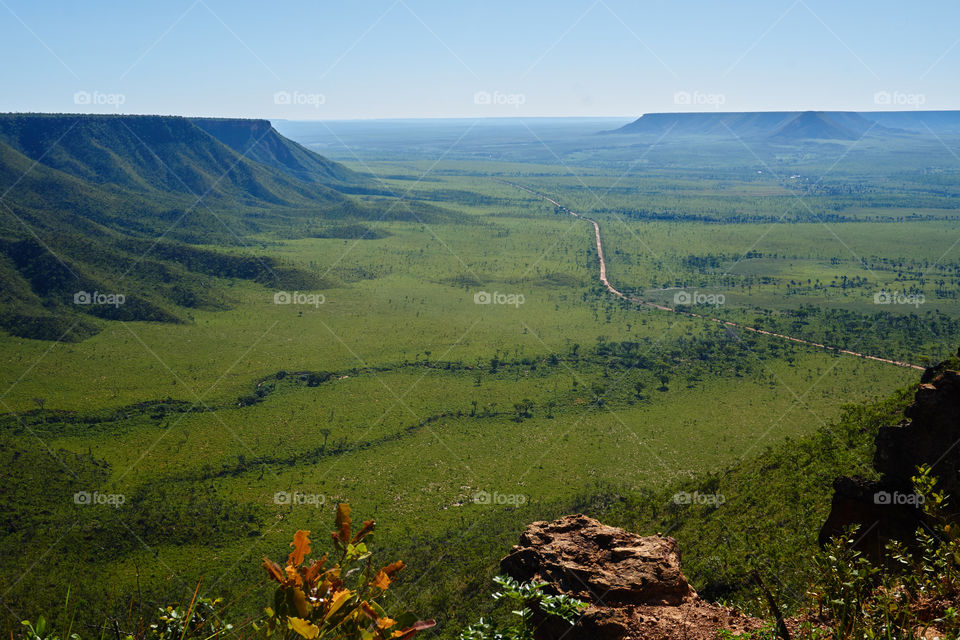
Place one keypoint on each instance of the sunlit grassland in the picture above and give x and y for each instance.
(408, 293)
(777, 265)
(430, 473)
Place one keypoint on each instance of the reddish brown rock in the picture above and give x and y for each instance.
(634, 584)
(582, 557)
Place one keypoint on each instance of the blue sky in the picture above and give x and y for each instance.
(454, 58)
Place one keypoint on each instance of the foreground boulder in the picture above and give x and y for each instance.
(634, 584)
(887, 509)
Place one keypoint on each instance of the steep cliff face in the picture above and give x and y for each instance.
(245, 161)
(929, 435)
(634, 584)
(887, 508)
(258, 141)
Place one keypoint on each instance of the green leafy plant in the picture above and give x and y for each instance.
(915, 588)
(845, 583)
(523, 599)
(200, 620)
(318, 601)
(40, 631)
(766, 633)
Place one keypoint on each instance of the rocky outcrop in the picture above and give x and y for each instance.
(634, 584)
(865, 502)
(930, 434)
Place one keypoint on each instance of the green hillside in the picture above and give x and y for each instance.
(112, 204)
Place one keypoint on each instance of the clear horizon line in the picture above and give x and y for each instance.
(474, 117)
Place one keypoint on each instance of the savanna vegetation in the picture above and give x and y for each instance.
(442, 356)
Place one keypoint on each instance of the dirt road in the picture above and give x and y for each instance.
(736, 325)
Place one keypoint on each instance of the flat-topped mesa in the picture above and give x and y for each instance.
(634, 584)
(792, 126)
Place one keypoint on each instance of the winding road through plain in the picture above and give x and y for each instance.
(736, 325)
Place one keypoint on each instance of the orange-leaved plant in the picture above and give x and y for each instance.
(315, 601)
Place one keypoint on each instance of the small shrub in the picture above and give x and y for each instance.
(319, 602)
(915, 589)
(523, 599)
(199, 620)
(41, 632)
